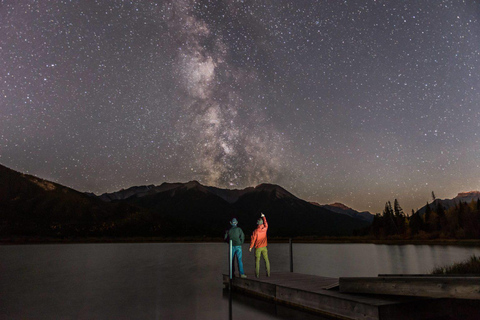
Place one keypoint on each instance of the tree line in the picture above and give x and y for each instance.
(461, 221)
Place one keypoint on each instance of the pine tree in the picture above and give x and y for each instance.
(461, 214)
(398, 211)
(433, 196)
(399, 217)
(390, 210)
(415, 223)
(441, 220)
(428, 213)
(426, 217)
(390, 226)
(377, 225)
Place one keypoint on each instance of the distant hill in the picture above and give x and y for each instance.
(30, 206)
(343, 209)
(466, 197)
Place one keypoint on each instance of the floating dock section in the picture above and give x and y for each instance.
(322, 295)
(456, 287)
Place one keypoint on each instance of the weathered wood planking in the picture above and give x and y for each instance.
(426, 275)
(417, 286)
(310, 292)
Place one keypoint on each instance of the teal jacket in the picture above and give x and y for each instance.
(236, 235)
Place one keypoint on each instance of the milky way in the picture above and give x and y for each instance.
(359, 102)
(231, 143)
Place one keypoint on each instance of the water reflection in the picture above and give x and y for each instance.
(178, 281)
(369, 260)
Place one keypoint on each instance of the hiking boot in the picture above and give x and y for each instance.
(243, 276)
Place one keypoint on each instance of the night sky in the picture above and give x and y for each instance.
(359, 102)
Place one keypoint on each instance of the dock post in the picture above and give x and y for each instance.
(291, 255)
(230, 310)
(230, 266)
(230, 260)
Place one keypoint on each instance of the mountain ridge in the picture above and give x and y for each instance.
(284, 207)
(233, 195)
(343, 209)
(230, 195)
(31, 206)
(467, 197)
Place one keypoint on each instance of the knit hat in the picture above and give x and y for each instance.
(234, 222)
(260, 221)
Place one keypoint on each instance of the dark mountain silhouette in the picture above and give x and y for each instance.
(142, 191)
(246, 205)
(465, 197)
(30, 206)
(209, 208)
(138, 191)
(228, 195)
(195, 210)
(343, 209)
(289, 215)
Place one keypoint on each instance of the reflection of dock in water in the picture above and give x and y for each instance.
(324, 295)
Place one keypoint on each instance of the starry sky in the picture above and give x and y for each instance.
(358, 102)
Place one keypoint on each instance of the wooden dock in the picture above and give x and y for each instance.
(322, 295)
(457, 287)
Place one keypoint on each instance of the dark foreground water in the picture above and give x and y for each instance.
(179, 281)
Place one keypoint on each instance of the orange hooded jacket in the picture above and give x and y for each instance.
(259, 236)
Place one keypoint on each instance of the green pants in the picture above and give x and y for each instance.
(261, 252)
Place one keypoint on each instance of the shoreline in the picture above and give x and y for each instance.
(303, 240)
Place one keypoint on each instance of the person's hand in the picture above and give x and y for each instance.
(250, 249)
(262, 215)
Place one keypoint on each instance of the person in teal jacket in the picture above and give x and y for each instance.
(237, 236)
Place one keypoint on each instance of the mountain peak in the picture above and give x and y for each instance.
(195, 185)
(267, 186)
(192, 184)
(340, 206)
(466, 197)
(468, 194)
(343, 209)
(279, 191)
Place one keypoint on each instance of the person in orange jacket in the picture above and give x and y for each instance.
(259, 241)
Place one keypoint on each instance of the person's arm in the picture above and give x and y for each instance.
(252, 241)
(242, 236)
(265, 221)
(225, 238)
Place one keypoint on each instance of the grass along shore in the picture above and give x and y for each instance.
(470, 266)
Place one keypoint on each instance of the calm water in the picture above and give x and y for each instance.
(179, 281)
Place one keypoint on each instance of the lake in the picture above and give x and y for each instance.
(178, 280)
